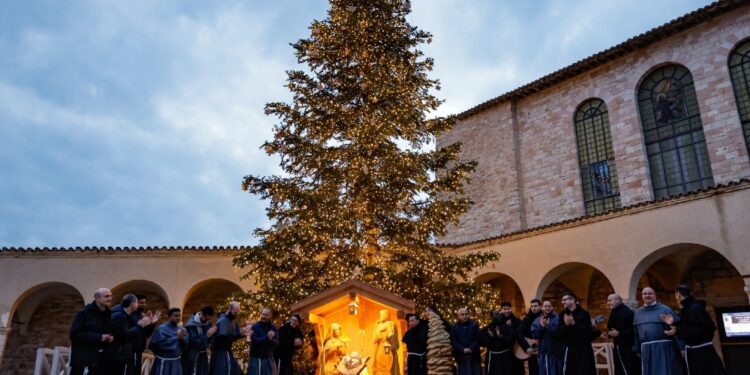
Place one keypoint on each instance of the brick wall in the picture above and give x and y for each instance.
(599, 289)
(509, 292)
(712, 278)
(546, 188)
(48, 327)
(494, 185)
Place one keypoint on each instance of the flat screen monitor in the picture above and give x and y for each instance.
(734, 323)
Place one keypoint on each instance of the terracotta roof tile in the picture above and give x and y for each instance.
(111, 249)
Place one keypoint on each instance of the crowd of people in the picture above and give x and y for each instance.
(652, 340)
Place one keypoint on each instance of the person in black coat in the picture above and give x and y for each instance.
(125, 331)
(290, 340)
(696, 329)
(416, 345)
(465, 342)
(139, 341)
(498, 338)
(508, 319)
(620, 330)
(90, 335)
(534, 312)
(576, 332)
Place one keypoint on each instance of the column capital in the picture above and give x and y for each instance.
(632, 303)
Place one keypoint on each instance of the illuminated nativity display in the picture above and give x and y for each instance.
(358, 329)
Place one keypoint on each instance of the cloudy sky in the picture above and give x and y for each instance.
(132, 123)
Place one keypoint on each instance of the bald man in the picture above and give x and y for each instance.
(620, 330)
(91, 336)
(263, 340)
(653, 338)
(465, 341)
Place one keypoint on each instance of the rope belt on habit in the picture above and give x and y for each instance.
(500, 352)
(699, 345)
(168, 359)
(161, 365)
(655, 342)
(489, 360)
(687, 364)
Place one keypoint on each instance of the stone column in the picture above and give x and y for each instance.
(632, 303)
(4, 334)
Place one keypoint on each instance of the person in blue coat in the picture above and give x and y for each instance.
(167, 344)
(465, 341)
(551, 349)
(264, 338)
(659, 352)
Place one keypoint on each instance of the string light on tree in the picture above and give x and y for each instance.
(362, 197)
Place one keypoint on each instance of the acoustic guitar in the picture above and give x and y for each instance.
(521, 354)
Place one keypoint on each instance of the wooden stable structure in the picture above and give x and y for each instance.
(356, 307)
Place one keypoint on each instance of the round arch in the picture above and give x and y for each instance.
(709, 272)
(589, 283)
(39, 318)
(211, 292)
(508, 287)
(30, 299)
(647, 72)
(156, 297)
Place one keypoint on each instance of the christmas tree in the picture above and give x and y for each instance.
(362, 195)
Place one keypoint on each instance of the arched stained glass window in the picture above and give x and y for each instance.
(673, 132)
(596, 158)
(739, 70)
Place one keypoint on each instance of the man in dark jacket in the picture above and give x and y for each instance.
(416, 345)
(139, 341)
(507, 318)
(465, 341)
(125, 330)
(263, 339)
(696, 329)
(290, 339)
(90, 335)
(620, 330)
(498, 338)
(576, 331)
(199, 331)
(525, 332)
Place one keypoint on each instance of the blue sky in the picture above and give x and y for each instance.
(132, 123)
